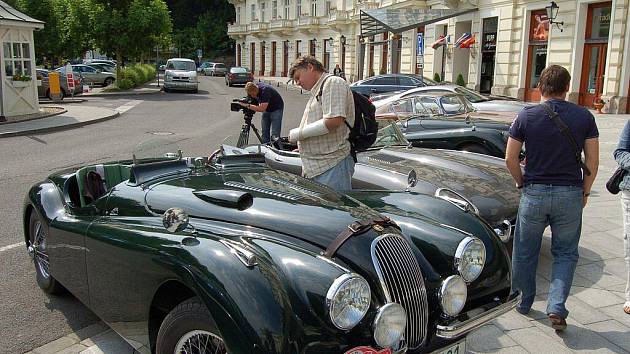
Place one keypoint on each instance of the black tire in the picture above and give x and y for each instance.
(475, 148)
(190, 315)
(166, 90)
(196, 91)
(108, 81)
(37, 249)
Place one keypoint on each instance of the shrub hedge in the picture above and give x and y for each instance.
(136, 75)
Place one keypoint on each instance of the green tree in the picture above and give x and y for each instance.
(47, 40)
(129, 28)
(460, 80)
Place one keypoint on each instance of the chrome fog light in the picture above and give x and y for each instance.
(470, 257)
(348, 300)
(389, 325)
(453, 293)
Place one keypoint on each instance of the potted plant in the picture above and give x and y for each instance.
(599, 103)
(436, 77)
(21, 80)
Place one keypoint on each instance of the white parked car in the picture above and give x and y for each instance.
(180, 74)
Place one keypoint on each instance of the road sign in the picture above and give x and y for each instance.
(70, 78)
(199, 53)
(420, 50)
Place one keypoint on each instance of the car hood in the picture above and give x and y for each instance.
(283, 203)
(482, 179)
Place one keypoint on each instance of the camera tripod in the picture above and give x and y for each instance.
(243, 138)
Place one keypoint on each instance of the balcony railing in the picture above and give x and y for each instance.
(280, 24)
(337, 15)
(308, 21)
(365, 5)
(258, 26)
(237, 29)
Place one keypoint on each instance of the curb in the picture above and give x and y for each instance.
(64, 101)
(63, 110)
(108, 94)
(59, 128)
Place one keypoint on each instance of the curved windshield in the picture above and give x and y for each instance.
(181, 65)
(470, 95)
(453, 105)
(238, 70)
(158, 149)
(389, 134)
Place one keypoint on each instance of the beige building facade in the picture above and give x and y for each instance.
(514, 41)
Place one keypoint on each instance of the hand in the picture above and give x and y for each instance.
(584, 201)
(296, 150)
(246, 105)
(294, 135)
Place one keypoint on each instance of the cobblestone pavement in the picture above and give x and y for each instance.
(596, 322)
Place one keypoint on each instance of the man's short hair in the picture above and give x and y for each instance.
(554, 80)
(251, 88)
(302, 63)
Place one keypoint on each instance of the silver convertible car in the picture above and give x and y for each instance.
(463, 178)
(477, 101)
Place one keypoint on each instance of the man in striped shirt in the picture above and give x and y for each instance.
(322, 136)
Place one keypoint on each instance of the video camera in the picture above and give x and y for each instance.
(235, 106)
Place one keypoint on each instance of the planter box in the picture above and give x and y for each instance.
(20, 83)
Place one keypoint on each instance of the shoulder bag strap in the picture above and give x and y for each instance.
(564, 129)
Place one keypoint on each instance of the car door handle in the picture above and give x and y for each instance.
(373, 90)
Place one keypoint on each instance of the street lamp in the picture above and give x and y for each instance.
(552, 13)
(342, 40)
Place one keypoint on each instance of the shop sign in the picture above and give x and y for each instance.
(489, 41)
(539, 30)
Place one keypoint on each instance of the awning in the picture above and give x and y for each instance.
(400, 20)
(13, 17)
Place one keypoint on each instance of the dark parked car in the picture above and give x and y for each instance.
(390, 82)
(392, 164)
(43, 90)
(447, 121)
(238, 75)
(177, 253)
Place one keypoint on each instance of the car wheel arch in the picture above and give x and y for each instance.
(168, 295)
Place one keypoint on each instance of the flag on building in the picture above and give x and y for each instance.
(463, 37)
(440, 42)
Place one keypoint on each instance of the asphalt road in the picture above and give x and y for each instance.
(198, 122)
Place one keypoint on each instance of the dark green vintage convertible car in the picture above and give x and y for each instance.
(226, 255)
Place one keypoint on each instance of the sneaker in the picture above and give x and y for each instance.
(521, 310)
(558, 323)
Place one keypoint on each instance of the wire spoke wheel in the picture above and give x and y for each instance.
(200, 342)
(40, 256)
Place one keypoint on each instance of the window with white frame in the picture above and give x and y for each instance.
(298, 11)
(274, 9)
(17, 59)
(262, 11)
(253, 15)
(238, 14)
(314, 8)
(287, 7)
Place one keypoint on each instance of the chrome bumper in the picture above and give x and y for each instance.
(475, 320)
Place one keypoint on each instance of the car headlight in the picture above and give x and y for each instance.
(348, 300)
(470, 257)
(453, 293)
(389, 325)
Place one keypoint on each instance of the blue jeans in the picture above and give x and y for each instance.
(339, 177)
(271, 120)
(559, 207)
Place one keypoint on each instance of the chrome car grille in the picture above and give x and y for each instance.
(402, 282)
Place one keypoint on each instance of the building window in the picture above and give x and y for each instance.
(536, 53)
(287, 7)
(328, 5)
(314, 8)
(298, 44)
(238, 14)
(253, 15)
(298, 13)
(17, 59)
(311, 47)
(262, 11)
(274, 9)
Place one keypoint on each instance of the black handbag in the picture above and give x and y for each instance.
(613, 182)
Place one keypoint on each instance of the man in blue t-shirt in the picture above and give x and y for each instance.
(555, 189)
(271, 104)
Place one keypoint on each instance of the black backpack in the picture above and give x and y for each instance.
(363, 133)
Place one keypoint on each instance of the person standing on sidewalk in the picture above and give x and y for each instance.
(271, 104)
(322, 136)
(622, 156)
(556, 186)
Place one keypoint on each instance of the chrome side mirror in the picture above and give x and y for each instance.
(175, 220)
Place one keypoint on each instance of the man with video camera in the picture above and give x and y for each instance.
(271, 105)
